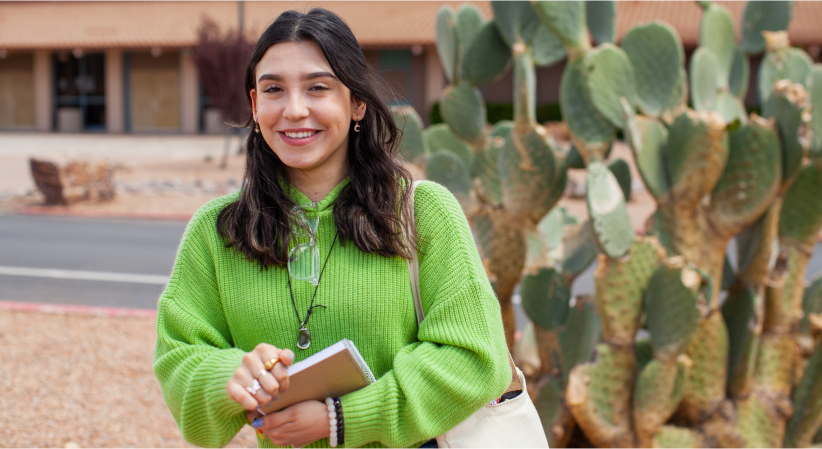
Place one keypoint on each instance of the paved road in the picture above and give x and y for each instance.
(88, 245)
(140, 253)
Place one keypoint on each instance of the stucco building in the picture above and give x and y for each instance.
(127, 67)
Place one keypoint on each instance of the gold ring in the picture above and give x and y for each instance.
(269, 365)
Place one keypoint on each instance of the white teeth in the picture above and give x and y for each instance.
(301, 135)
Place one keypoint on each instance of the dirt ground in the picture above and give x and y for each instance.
(83, 381)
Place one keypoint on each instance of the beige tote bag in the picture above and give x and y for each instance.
(513, 423)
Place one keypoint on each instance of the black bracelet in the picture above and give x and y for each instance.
(340, 423)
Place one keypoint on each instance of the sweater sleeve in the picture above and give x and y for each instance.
(195, 357)
(460, 362)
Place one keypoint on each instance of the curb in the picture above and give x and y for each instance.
(65, 212)
(77, 310)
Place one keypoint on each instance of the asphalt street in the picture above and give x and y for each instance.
(118, 262)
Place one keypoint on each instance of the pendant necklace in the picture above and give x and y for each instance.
(304, 336)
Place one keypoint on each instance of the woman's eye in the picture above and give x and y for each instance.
(273, 89)
(319, 88)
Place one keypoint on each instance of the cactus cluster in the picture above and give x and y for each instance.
(678, 347)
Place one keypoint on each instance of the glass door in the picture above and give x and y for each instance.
(80, 92)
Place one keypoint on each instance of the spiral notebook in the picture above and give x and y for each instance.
(332, 372)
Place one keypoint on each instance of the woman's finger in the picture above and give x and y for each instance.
(269, 355)
(280, 374)
(246, 375)
(238, 393)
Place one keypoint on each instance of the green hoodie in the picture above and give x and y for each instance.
(218, 305)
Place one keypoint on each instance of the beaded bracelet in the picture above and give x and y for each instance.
(337, 429)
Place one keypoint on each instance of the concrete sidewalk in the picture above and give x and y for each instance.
(157, 176)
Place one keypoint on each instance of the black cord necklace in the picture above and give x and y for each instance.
(304, 336)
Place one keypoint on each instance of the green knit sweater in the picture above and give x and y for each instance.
(218, 306)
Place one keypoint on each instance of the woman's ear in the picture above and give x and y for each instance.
(253, 94)
(358, 107)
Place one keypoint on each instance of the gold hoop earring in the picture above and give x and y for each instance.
(357, 125)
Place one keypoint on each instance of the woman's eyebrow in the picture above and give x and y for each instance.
(307, 76)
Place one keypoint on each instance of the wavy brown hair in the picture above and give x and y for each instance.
(369, 209)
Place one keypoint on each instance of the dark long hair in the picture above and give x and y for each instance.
(368, 211)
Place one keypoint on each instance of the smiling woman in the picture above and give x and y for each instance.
(322, 168)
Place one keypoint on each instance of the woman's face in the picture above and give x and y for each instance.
(303, 110)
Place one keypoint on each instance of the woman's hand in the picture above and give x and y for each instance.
(296, 425)
(273, 382)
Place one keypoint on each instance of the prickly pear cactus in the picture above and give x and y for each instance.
(659, 356)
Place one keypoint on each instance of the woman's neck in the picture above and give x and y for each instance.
(317, 186)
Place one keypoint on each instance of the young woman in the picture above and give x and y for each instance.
(309, 252)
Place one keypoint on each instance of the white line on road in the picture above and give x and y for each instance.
(85, 275)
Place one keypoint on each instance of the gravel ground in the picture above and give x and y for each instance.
(83, 381)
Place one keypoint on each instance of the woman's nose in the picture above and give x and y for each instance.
(296, 108)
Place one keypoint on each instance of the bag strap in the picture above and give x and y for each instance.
(414, 272)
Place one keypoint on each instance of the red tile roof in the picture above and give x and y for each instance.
(90, 25)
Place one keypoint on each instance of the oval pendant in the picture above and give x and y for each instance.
(305, 339)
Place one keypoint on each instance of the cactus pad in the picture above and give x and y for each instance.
(751, 178)
(671, 308)
(730, 108)
(609, 77)
(599, 396)
(578, 339)
(579, 251)
(811, 303)
(648, 139)
(790, 108)
(448, 169)
(545, 297)
(573, 159)
(486, 57)
(801, 217)
(527, 172)
(763, 16)
(469, 20)
(790, 63)
(697, 152)
(744, 328)
(609, 214)
(464, 111)
(622, 172)
(567, 21)
(807, 401)
(591, 134)
(503, 248)
(740, 74)
(716, 32)
(659, 388)
(440, 137)
(678, 102)
(620, 287)
(412, 145)
(447, 44)
(485, 167)
(815, 91)
(601, 20)
(673, 436)
(516, 21)
(656, 54)
(525, 90)
(704, 76)
(547, 48)
(708, 377)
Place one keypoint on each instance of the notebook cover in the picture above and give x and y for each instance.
(333, 376)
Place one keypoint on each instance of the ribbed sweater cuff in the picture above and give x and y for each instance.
(364, 414)
(225, 417)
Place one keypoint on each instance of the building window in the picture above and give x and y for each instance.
(80, 92)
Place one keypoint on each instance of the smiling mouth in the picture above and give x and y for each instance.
(300, 135)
